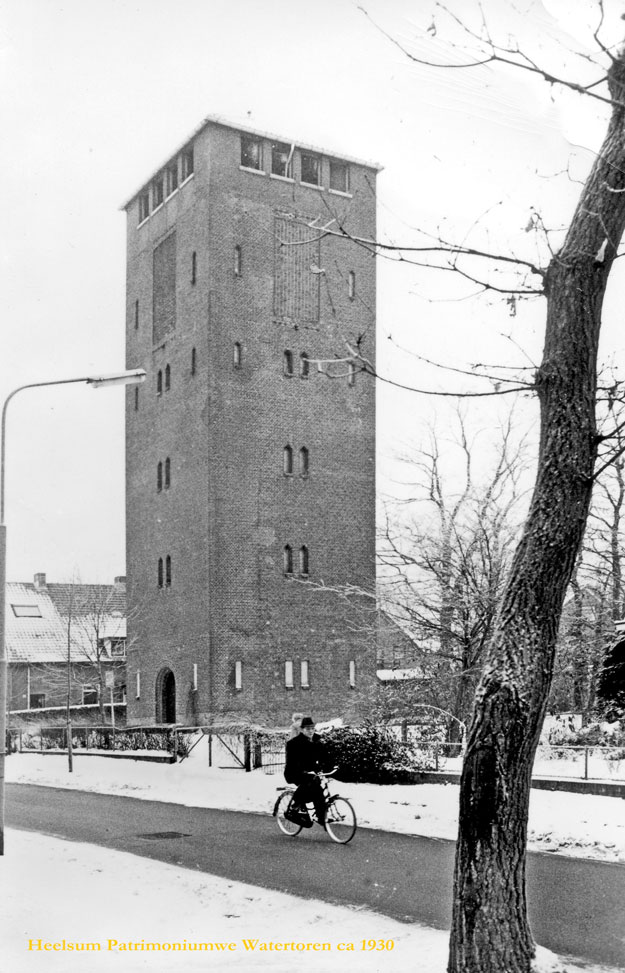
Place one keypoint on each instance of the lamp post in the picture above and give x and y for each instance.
(133, 377)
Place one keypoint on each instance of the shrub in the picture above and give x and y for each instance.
(371, 755)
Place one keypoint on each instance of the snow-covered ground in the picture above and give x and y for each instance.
(70, 893)
(571, 824)
(78, 895)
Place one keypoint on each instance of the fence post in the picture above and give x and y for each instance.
(210, 749)
(585, 763)
(436, 756)
(247, 753)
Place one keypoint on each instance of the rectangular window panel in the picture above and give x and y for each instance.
(251, 153)
(144, 206)
(281, 154)
(296, 257)
(339, 176)
(352, 674)
(172, 177)
(26, 611)
(158, 191)
(138, 686)
(311, 169)
(238, 675)
(37, 700)
(304, 674)
(187, 163)
(89, 695)
(164, 289)
(288, 674)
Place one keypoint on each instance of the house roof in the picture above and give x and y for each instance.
(37, 619)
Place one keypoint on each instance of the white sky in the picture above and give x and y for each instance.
(95, 95)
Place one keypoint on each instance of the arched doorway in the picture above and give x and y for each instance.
(165, 697)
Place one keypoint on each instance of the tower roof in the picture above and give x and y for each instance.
(249, 130)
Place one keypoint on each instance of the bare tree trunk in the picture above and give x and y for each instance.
(490, 930)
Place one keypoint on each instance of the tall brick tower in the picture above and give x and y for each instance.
(251, 446)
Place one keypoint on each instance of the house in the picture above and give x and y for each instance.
(48, 625)
(251, 445)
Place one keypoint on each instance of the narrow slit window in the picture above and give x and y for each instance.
(159, 382)
(137, 314)
(238, 261)
(351, 285)
(194, 268)
(144, 206)
(138, 685)
(287, 559)
(158, 192)
(288, 674)
(188, 163)
(303, 561)
(167, 477)
(159, 477)
(352, 674)
(193, 361)
(304, 459)
(304, 674)
(160, 572)
(237, 354)
(167, 378)
(287, 363)
(168, 571)
(136, 399)
(351, 374)
(238, 675)
(287, 461)
(172, 177)
(304, 365)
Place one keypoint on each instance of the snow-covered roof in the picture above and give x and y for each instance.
(397, 675)
(34, 629)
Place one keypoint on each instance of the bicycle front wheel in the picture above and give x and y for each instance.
(340, 820)
(286, 827)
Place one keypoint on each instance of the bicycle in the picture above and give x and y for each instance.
(340, 822)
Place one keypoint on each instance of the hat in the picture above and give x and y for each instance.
(307, 721)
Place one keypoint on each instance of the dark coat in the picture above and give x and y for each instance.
(302, 756)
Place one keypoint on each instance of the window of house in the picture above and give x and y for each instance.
(238, 265)
(303, 461)
(164, 261)
(144, 206)
(193, 361)
(167, 378)
(352, 674)
(237, 354)
(26, 611)
(351, 373)
(311, 169)
(287, 363)
(187, 163)
(119, 693)
(238, 675)
(194, 683)
(194, 267)
(118, 648)
(159, 477)
(136, 314)
(159, 382)
(160, 572)
(304, 365)
(158, 191)
(287, 559)
(171, 177)
(138, 685)
(351, 285)
(303, 674)
(287, 460)
(281, 159)
(136, 398)
(168, 571)
(167, 478)
(37, 701)
(339, 176)
(251, 152)
(303, 561)
(89, 695)
(288, 674)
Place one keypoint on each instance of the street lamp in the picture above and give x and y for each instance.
(132, 377)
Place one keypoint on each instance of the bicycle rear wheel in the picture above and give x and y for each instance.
(286, 827)
(340, 820)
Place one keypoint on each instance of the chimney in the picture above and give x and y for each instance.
(40, 582)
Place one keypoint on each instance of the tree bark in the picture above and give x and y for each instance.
(490, 929)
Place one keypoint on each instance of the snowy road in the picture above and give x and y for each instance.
(575, 904)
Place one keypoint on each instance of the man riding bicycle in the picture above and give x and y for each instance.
(305, 756)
